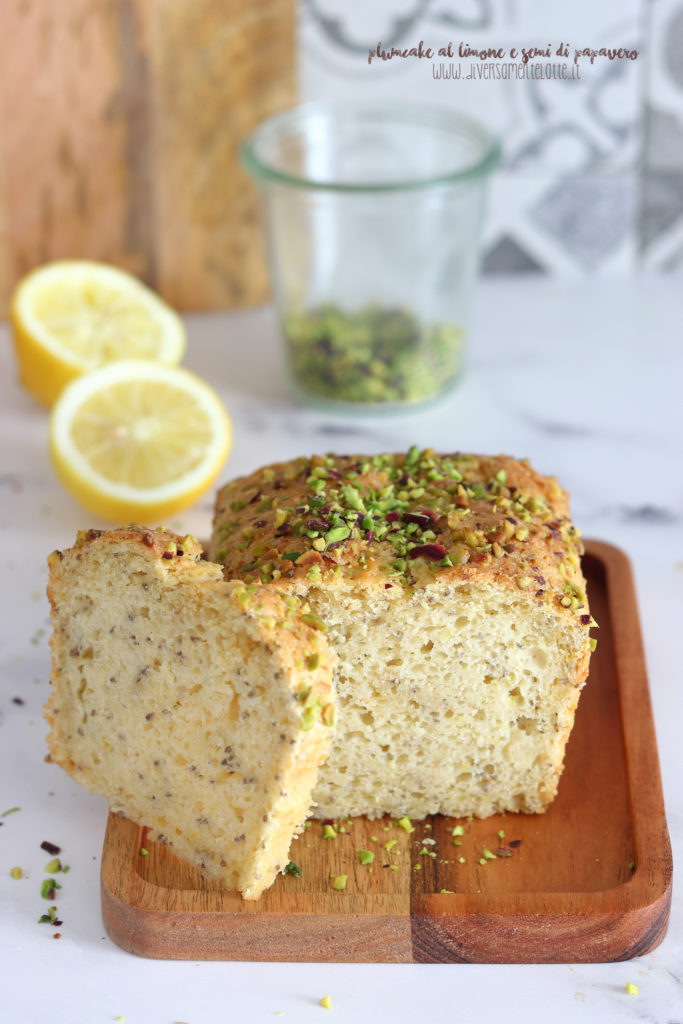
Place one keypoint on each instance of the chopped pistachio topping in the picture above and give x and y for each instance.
(411, 516)
(308, 717)
(16, 873)
(339, 882)
(53, 866)
(292, 869)
(329, 832)
(315, 621)
(187, 543)
(458, 830)
(366, 856)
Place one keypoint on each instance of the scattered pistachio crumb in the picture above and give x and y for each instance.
(417, 867)
(631, 989)
(390, 844)
(632, 865)
(326, 1002)
(16, 873)
(47, 889)
(393, 867)
(405, 824)
(50, 917)
(329, 832)
(53, 866)
(449, 891)
(461, 860)
(366, 856)
(12, 810)
(488, 855)
(501, 834)
(459, 830)
(144, 852)
(339, 882)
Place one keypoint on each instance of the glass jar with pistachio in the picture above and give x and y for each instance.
(374, 217)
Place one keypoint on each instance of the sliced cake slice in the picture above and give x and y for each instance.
(200, 708)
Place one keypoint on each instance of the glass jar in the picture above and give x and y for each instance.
(374, 216)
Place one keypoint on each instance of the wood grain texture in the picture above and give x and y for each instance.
(589, 881)
(120, 122)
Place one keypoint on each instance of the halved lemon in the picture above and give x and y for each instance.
(136, 441)
(72, 316)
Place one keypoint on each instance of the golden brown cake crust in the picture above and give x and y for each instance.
(405, 519)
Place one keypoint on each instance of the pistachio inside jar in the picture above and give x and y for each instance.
(373, 215)
(372, 355)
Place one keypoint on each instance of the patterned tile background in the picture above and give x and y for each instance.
(592, 179)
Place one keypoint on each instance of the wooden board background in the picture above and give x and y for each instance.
(119, 128)
(567, 893)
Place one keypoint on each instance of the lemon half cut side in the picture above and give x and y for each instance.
(71, 316)
(137, 441)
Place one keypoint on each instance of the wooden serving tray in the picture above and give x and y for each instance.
(590, 880)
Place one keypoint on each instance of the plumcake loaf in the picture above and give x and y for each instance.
(198, 707)
(452, 593)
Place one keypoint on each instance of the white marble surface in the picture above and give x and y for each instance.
(585, 379)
